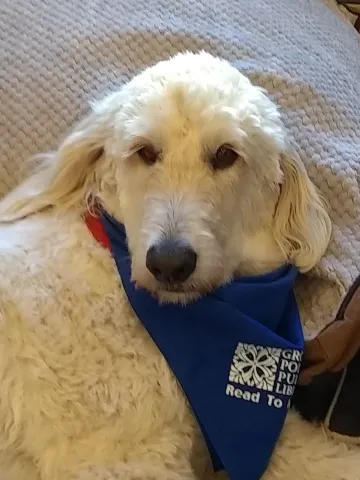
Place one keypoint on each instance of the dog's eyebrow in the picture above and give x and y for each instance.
(234, 139)
(134, 144)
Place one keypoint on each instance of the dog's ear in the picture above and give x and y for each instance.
(63, 178)
(302, 226)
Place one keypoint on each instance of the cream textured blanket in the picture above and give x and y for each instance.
(55, 56)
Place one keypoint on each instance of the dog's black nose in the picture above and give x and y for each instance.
(171, 261)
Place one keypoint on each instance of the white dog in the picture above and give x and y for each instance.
(191, 149)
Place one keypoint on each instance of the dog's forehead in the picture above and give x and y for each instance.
(172, 110)
(199, 98)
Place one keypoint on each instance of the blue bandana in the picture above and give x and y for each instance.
(236, 353)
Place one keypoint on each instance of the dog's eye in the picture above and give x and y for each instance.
(148, 154)
(224, 158)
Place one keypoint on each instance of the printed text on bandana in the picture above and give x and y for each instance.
(263, 374)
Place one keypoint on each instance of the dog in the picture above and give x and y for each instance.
(190, 156)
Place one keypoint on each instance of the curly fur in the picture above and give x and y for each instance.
(84, 392)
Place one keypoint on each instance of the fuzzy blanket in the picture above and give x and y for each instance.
(56, 56)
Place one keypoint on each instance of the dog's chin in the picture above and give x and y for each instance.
(175, 293)
(179, 297)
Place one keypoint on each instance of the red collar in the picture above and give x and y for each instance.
(97, 229)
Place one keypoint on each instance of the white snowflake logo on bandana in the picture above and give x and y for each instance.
(255, 366)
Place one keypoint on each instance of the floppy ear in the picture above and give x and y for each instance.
(302, 226)
(64, 177)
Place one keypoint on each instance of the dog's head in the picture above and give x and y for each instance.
(194, 160)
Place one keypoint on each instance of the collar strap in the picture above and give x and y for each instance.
(96, 228)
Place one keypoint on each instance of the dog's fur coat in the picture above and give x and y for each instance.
(84, 392)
